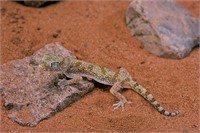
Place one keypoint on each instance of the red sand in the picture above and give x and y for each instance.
(95, 32)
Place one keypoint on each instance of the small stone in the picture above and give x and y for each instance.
(194, 126)
(142, 62)
(116, 26)
(38, 29)
(2, 10)
(56, 35)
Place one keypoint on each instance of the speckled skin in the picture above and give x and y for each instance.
(76, 69)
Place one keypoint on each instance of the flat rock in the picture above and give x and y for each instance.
(31, 94)
(164, 27)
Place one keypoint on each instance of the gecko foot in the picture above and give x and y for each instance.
(121, 104)
(62, 83)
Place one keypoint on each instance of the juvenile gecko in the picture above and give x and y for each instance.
(76, 69)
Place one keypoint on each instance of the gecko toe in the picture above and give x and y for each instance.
(119, 104)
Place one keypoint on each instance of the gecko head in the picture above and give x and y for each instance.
(52, 62)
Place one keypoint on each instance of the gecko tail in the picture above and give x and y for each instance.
(149, 97)
(164, 112)
(158, 107)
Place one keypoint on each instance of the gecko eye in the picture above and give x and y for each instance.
(55, 65)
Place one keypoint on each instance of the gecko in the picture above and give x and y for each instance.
(76, 69)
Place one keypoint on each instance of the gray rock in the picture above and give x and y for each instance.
(31, 94)
(164, 27)
(35, 3)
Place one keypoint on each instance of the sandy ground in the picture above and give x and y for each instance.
(96, 32)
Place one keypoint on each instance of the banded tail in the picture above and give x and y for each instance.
(149, 97)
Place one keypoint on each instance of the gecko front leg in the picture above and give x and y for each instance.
(63, 82)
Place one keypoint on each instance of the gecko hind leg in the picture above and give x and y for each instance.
(125, 73)
(122, 100)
